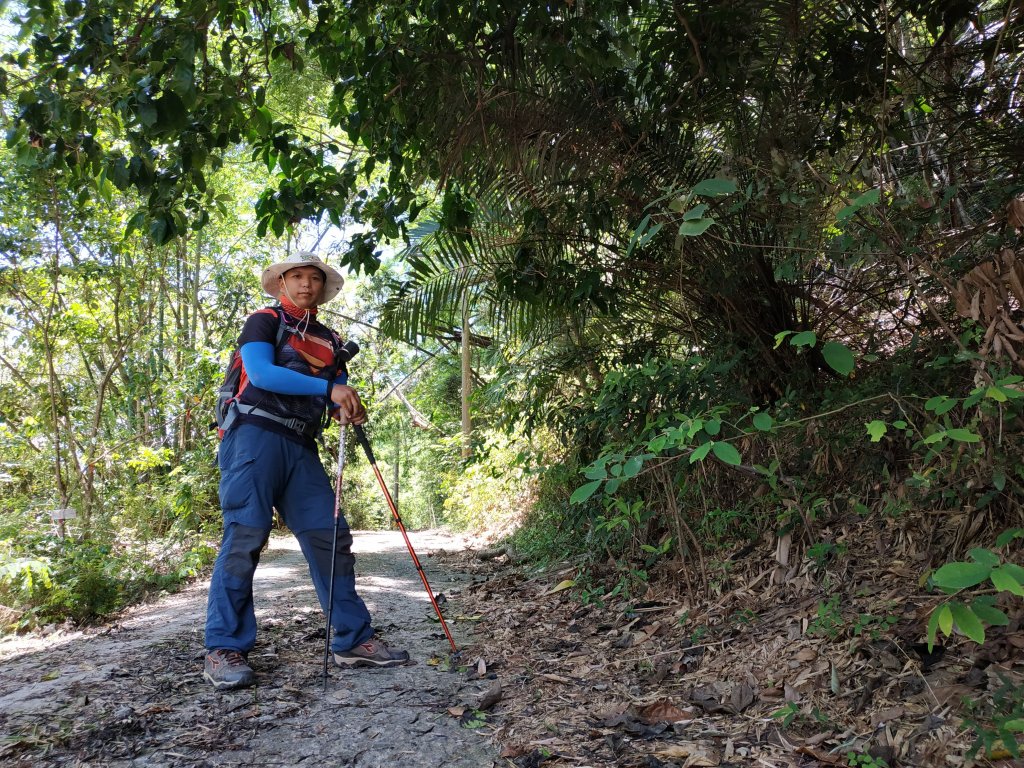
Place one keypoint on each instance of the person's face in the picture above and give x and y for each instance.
(305, 286)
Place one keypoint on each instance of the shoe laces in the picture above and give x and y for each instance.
(233, 658)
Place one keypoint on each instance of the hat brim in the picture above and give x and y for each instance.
(272, 283)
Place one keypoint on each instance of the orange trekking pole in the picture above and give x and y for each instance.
(361, 438)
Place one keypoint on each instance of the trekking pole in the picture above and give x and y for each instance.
(334, 548)
(361, 439)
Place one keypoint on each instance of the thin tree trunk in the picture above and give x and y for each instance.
(467, 380)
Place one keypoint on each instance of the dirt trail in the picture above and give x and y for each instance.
(132, 694)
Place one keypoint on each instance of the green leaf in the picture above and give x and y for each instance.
(1014, 570)
(984, 556)
(945, 620)
(725, 452)
(657, 443)
(700, 453)
(632, 467)
(762, 422)
(695, 227)
(963, 435)
(871, 197)
(940, 404)
(649, 235)
(998, 482)
(968, 622)
(877, 429)
(584, 492)
(714, 187)
(1014, 726)
(804, 339)
(596, 472)
(995, 393)
(561, 586)
(696, 212)
(838, 357)
(135, 223)
(961, 575)
(781, 337)
(1009, 535)
(146, 113)
(713, 426)
(989, 614)
(1003, 580)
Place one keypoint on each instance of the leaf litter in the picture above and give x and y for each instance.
(794, 662)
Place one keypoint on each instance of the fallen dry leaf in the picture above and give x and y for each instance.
(1015, 213)
(566, 584)
(662, 711)
(695, 753)
(490, 697)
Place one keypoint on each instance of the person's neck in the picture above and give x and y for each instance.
(293, 310)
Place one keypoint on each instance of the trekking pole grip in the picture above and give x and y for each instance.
(361, 439)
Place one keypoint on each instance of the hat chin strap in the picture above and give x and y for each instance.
(307, 313)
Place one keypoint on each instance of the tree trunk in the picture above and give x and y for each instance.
(467, 380)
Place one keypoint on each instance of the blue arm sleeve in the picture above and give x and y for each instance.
(342, 378)
(258, 359)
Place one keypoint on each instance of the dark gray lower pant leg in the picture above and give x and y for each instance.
(349, 616)
(230, 616)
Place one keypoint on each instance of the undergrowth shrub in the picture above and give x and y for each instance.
(493, 489)
(550, 528)
(45, 578)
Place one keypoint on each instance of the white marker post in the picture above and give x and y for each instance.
(61, 514)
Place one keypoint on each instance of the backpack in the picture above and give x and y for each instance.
(227, 406)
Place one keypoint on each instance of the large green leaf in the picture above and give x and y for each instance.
(967, 622)
(695, 227)
(584, 492)
(876, 429)
(727, 453)
(700, 452)
(961, 575)
(871, 197)
(715, 187)
(838, 356)
(1003, 579)
(804, 339)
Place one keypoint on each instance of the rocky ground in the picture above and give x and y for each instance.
(132, 693)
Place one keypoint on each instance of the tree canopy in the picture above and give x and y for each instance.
(674, 233)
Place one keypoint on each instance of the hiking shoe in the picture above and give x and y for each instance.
(226, 669)
(373, 653)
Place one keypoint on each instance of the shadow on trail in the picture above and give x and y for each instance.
(132, 694)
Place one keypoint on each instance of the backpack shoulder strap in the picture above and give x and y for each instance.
(282, 325)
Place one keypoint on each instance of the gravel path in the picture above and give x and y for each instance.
(132, 694)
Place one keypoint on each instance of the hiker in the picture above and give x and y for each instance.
(268, 458)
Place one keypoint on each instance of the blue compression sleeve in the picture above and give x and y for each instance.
(342, 379)
(258, 359)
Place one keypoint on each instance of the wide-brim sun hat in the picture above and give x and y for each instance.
(332, 278)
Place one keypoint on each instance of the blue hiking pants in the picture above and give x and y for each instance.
(261, 469)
